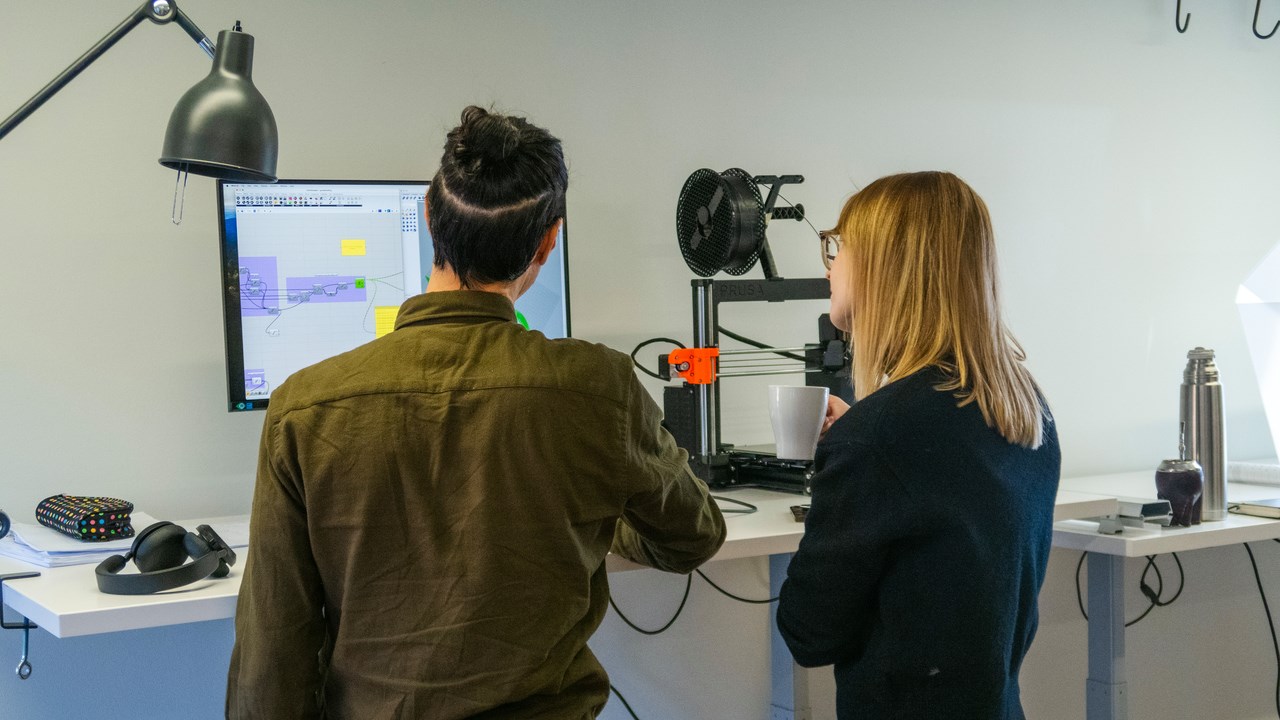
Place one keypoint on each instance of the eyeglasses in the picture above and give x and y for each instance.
(830, 241)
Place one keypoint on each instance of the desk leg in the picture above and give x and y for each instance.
(1107, 689)
(790, 681)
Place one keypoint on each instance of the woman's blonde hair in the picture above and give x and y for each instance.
(923, 290)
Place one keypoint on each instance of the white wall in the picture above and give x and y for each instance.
(1129, 170)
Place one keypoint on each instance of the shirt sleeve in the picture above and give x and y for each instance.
(670, 522)
(275, 668)
(827, 602)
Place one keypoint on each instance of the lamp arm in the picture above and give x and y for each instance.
(158, 11)
(186, 23)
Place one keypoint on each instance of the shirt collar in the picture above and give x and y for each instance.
(456, 306)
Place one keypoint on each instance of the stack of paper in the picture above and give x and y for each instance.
(39, 545)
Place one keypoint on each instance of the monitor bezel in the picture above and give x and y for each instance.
(232, 323)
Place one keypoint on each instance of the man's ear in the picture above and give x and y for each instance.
(548, 243)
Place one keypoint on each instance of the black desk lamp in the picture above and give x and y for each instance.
(222, 127)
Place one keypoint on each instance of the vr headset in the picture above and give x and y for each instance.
(160, 553)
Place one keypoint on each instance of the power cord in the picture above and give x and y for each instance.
(1151, 594)
(625, 704)
(648, 342)
(1154, 595)
(729, 594)
(747, 508)
(687, 585)
(1270, 622)
(727, 333)
(756, 343)
(700, 574)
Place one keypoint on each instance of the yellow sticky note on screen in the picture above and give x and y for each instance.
(384, 319)
(353, 247)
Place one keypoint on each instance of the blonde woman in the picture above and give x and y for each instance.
(932, 506)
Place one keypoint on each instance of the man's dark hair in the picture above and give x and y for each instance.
(500, 187)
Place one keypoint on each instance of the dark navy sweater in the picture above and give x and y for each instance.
(924, 550)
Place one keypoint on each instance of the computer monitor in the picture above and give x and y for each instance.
(313, 268)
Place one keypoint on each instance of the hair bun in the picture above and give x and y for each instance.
(484, 140)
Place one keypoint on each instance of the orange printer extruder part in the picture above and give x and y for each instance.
(696, 366)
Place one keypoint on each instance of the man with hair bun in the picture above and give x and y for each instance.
(433, 509)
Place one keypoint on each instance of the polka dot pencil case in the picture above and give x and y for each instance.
(91, 519)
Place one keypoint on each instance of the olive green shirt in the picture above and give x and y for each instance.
(431, 518)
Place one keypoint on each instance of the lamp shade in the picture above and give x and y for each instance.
(222, 127)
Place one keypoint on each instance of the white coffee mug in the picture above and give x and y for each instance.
(797, 413)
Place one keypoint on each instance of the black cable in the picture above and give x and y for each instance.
(651, 341)
(625, 704)
(1270, 622)
(757, 343)
(729, 594)
(748, 508)
(688, 584)
(1079, 600)
(1152, 595)
(677, 343)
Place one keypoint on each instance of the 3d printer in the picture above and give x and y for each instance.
(721, 221)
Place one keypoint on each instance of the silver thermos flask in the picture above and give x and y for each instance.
(1200, 410)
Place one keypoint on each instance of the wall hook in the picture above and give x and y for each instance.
(1177, 18)
(1257, 9)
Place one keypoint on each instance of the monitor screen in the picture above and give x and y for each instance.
(313, 268)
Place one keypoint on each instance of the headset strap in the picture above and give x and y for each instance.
(112, 583)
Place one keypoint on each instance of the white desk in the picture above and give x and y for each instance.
(1106, 688)
(66, 603)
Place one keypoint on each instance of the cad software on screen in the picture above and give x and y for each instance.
(316, 268)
